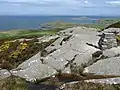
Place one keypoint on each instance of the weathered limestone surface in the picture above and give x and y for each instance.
(113, 52)
(33, 69)
(55, 45)
(111, 30)
(109, 66)
(75, 45)
(4, 73)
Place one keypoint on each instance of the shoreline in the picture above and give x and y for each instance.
(32, 22)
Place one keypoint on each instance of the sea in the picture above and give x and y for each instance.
(34, 22)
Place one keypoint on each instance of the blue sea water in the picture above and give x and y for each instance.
(33, 22)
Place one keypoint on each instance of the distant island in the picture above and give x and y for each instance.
(81, 18)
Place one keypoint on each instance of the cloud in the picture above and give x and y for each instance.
(113, 2)
(86, 2)
(58, 6)
(47, 2)
(23, 3)
(62, 3)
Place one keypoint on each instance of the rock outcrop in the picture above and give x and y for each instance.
(60, 53)
(75, 52)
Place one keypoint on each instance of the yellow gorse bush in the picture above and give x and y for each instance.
(23, 46)
(5, 46)
(15, 54)
(19, 50)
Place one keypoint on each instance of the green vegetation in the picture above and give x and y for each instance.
(102, 23)
(14, 53)
(65, 25)
(115, 25)
(92, 86)
(97, 26)
(59, 25)
(107, 22)
(13, 83)
(15, 34)
(52, 28)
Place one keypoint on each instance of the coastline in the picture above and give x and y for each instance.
(34, 22)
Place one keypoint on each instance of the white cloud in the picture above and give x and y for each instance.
(58, 6)
(53, 2)
(113, 2)
(23, 1)
(86, 2)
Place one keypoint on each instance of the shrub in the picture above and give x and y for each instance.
(17, 52)
(13, 83)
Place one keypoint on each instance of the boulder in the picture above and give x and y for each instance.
(111, 30)
(33, 69)
(109, 66)
(113, 52)
(75, 45)
(4, 74)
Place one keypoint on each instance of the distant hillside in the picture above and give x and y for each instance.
(114, 25)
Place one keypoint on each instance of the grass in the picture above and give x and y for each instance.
(97, 26)
(59, 25)
(13, 83)
(16, 83)
(92, 86)
(14, 34)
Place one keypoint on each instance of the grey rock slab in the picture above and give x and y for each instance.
(75, 45)
(79, 35)
(4, 74)
(111, 30)
(33, 69)
(35, 72)
(56, 44)
(59, 57)
(84, 58)
(67, 30)
(106, 81)
(47, 38)
(78, 29)
(30, 61)
(109, 66)
(115, 51)
(87, 36)
(83, 33)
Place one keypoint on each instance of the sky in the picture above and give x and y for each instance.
(60, 7)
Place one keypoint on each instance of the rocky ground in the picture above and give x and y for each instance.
(71, 57)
